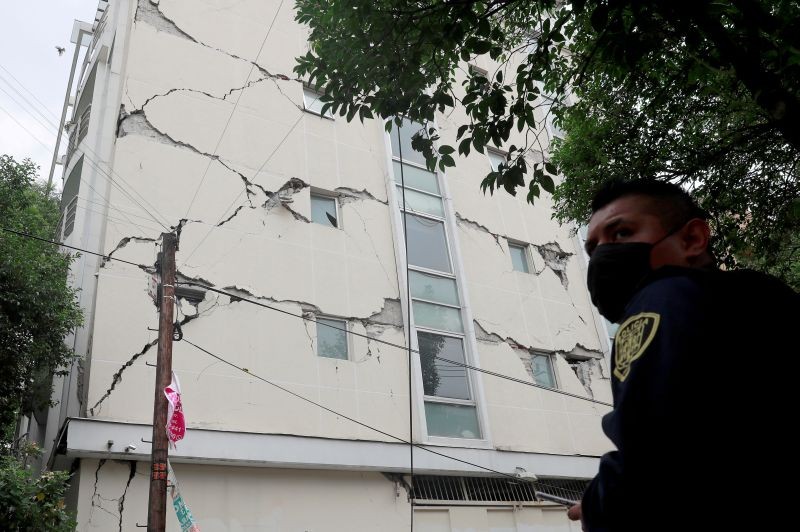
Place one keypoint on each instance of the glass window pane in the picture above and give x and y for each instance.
(433, 288)
(331, 343)
(437, 317)
(323, 211)
(427, 244)
(542, 368)
(415, 177)
(440, 378)
(453, 421)
(404, 133)
(495, 159)
(312, 103)
(419, 202)
(519, 259)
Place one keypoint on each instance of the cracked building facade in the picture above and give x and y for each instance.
(186, 118)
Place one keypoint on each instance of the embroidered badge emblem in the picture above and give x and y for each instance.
(631, 341)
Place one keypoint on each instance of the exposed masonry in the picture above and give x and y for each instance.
(283, 197)
(585, 362)
(554, 257)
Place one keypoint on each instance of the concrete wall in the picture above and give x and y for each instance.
(113, 496)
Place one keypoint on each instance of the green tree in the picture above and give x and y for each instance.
(704, 93)
(37, 307)
(31, 503)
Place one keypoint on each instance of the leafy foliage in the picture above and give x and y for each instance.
(702, 93)
(37, 307)
(30, 503)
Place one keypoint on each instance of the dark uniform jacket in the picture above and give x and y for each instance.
(704, 372)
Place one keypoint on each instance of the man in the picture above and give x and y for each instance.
(700, 373)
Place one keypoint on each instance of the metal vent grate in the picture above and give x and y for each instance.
(566, 488)
(490, 489)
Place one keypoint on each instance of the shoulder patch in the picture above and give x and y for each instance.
(632, 339)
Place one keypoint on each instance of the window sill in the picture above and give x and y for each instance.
(326, 117)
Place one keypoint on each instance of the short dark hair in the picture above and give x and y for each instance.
(673, 205)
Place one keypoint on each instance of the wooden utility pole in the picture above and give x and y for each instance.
(157, 504)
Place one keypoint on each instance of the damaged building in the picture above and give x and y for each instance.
(187, 118)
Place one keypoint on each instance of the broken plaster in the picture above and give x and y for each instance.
(585, 362)
(124, 242)
(136, 123)
(554, 257)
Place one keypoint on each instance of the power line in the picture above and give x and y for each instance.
(29, 92)
(95, 164)
(344, 416)
(392, 344)
(235, 106)
(274, 151)
(302, 317)
(34, 137)
(56, 243)
(247, 371)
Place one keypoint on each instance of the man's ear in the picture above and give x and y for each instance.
(695, 238)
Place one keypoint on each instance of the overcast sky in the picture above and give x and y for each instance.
(29, 34)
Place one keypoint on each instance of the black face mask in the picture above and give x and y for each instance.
(615, 273)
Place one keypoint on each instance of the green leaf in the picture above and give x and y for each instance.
(463, 146)
(446, 150)
(547, 183)
(550, 167)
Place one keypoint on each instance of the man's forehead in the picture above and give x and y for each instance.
(631, 206)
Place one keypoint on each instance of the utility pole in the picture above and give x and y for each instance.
(157, 504)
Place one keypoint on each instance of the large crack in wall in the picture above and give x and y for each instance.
(554, 257)
(147, 11)
(117, 377)
(585, 362)
(98, 499)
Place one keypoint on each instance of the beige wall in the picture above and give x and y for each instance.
(184, 68)
(113, 496)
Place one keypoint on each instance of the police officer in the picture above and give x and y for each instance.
(702, 367)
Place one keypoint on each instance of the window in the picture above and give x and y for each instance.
(69, 216)
(401, 141)
(427, 243)
(496, 158)
(477, 73)
(454, 417)
(450, 409)
(332, 338)
(519, 257)
(312, 103)
(542, 368)
(324, 210)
